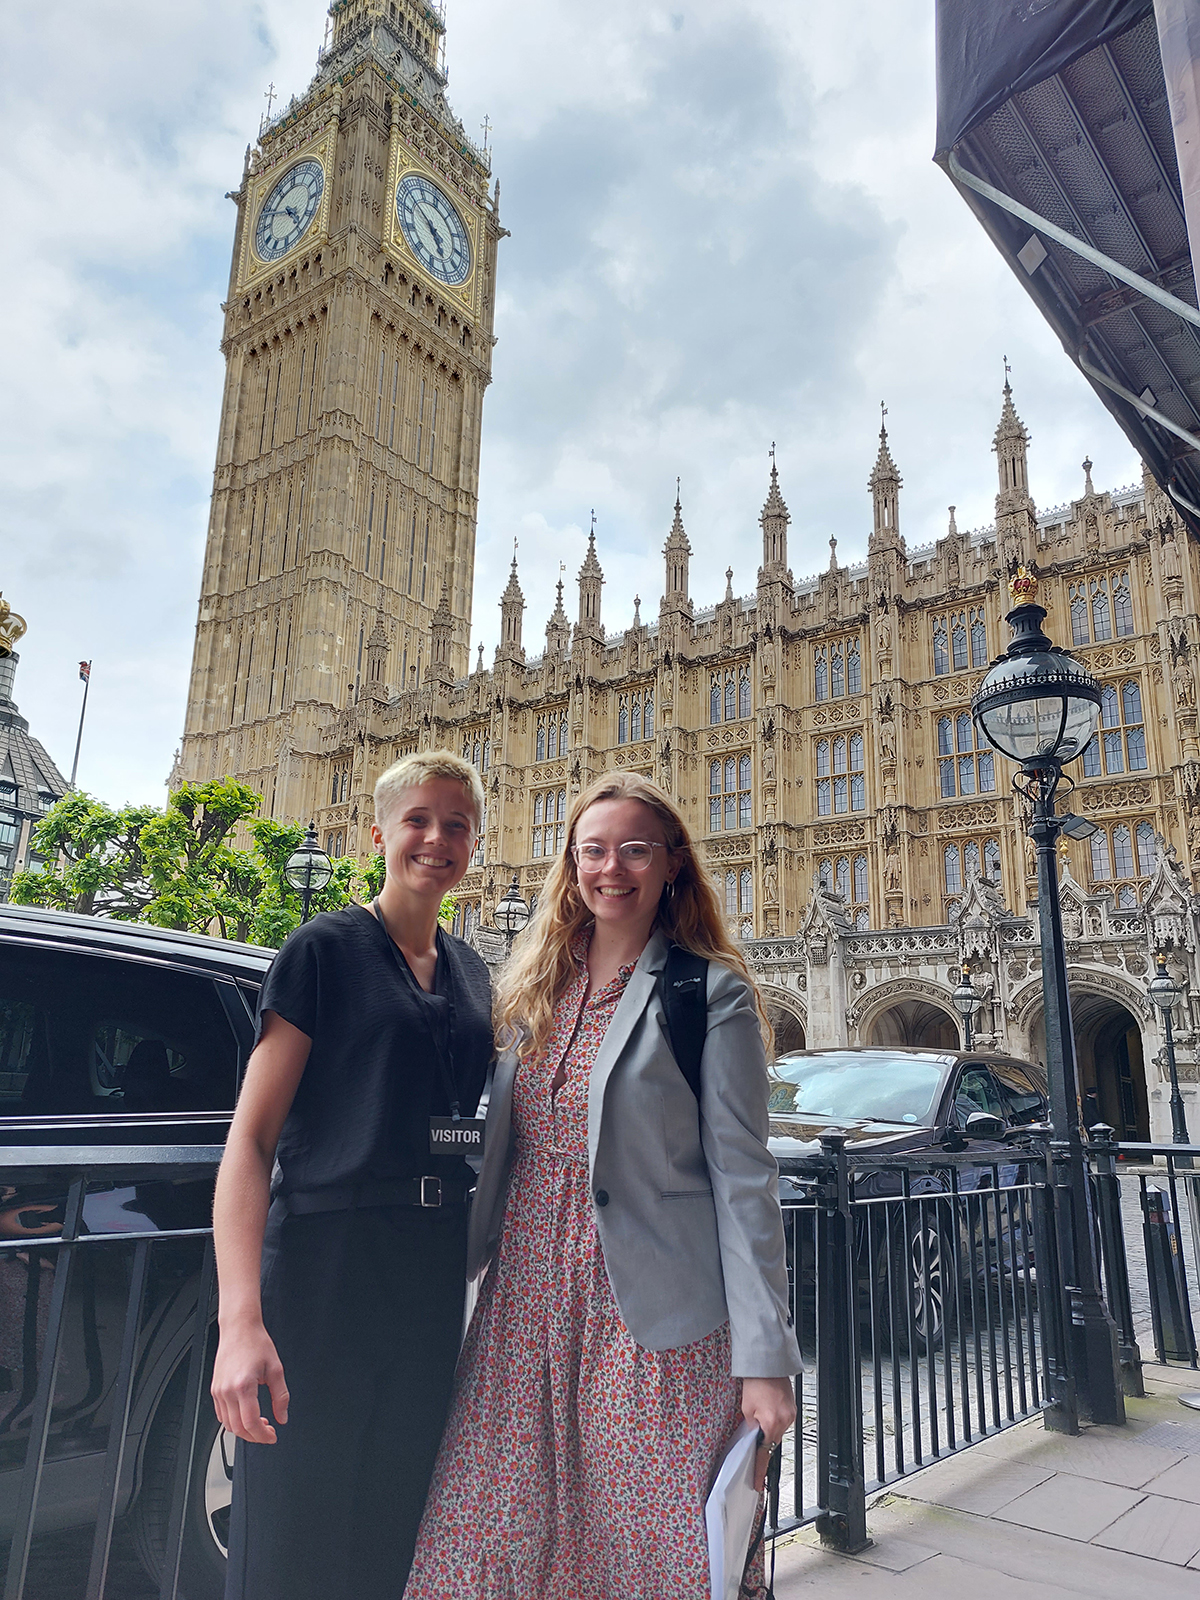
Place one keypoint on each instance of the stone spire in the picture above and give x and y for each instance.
(378, 645)
(677, 553)
(1016, 514)
(558, 629)
(774, 520)
(591, 581)
(885, 484)
(442, 641)
(512, 607)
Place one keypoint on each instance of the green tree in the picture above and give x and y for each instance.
(176, 867)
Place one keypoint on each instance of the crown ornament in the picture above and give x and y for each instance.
(11, 628)
(1023, 587)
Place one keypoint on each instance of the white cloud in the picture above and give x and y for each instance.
(727, 229)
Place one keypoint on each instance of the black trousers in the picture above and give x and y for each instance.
(365, 1308)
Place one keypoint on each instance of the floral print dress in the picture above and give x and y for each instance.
(575, 1463)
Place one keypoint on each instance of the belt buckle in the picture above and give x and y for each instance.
(436, 1192)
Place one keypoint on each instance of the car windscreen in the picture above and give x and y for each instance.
(875, 1085)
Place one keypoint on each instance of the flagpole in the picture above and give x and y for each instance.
(85, 672)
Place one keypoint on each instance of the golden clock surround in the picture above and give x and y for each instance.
(251, 269)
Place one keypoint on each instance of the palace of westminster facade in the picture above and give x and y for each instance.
(816, 733)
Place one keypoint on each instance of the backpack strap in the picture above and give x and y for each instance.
(685, 1000)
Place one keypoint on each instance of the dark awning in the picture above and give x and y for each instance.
(1054, 124)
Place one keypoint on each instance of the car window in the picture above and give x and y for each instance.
(976, 1091)
(1024, 1101)
(82, 1033)
(875, 1084)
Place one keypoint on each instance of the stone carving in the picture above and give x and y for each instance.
(1185, 687)
(770, 884)
(887, 739)
(893, 872)
(1170, 552)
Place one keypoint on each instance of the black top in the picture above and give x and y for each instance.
(373, 1077)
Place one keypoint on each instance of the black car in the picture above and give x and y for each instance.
(914, 1104)
(114, 1034)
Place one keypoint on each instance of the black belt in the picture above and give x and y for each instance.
(428, 1193)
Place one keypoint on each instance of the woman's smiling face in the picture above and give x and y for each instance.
(427, 838)
(616, 895)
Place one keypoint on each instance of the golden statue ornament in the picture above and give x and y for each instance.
(1023, 587)
(11, 628)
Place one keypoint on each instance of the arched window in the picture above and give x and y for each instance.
(1080, 633)
(959, 645)
(743, 694)
(837, 675)
(648, 725)
(730, 700)
(714, 777)
(477, 751)
(743, 772)
(487, 755)
(862, 921)
(861, 894)
(552, 739)
(971, 861)
(1101, 624)
(825, 874)
(941, 650)
(820, 676)
(746, 890)
(541, 740)
(1101, 865)
(623, 724)
(945, 742)
(991, 859)
(1110, 716)
(843, 877)
(539, 802)
(1122, 852)
(730, 775)
(562, 734)
(953, 869)
(1126, 897)
(635, 720)
(1122, 607)
(714, 701)
(560, 836)
(853, 668)
(963, 732)
(978, 643)
(822, 758)
(731, 894)
(856, 752)
(839, 754)
(1092, 767)
(730, 794)
(746, 931)
(1131, 702)
(1147, 850)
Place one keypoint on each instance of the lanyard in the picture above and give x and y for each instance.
(444, 1056)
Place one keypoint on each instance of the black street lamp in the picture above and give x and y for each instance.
(1164, 992)
(511, 914)
(966, 1002)
(308, 869)
(1039, 707)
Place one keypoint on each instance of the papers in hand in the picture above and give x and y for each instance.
(730, 1512)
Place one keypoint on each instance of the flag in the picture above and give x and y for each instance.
(85, 670)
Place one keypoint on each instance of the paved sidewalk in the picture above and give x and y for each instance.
(1031, 1515)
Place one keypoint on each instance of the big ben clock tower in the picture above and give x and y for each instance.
(358, 339)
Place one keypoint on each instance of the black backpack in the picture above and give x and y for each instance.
(685, 1000)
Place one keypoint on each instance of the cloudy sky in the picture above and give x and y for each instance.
(726, 230)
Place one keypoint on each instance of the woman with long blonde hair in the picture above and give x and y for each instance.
(636, 1306)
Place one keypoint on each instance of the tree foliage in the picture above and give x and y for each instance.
(176, 867)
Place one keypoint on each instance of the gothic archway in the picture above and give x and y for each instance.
(786, 1018)
(1111, 1062)
(915, 1023)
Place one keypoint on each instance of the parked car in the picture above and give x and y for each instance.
(913, 1104)
(115, 1034)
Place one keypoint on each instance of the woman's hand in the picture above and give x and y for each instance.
(771, 1403)
(247, 1359)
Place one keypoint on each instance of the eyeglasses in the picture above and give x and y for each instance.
(636, 854)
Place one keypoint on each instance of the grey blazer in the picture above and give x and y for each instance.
(687, 1206)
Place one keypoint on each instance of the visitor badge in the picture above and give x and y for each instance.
(461, 1137)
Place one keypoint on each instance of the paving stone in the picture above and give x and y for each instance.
(1110, 1455)
(1180, 1482)
(895, 1555)
(974, 1482)
(1166, 1530)
(1074, 1508)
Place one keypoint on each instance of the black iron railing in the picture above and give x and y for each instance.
(116, 1304)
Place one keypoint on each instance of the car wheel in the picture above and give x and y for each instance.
(915, 1295)
(206, 1517)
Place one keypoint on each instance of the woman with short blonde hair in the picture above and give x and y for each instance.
(636, 1307)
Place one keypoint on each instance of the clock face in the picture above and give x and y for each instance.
(288, 210)
(433, 229)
